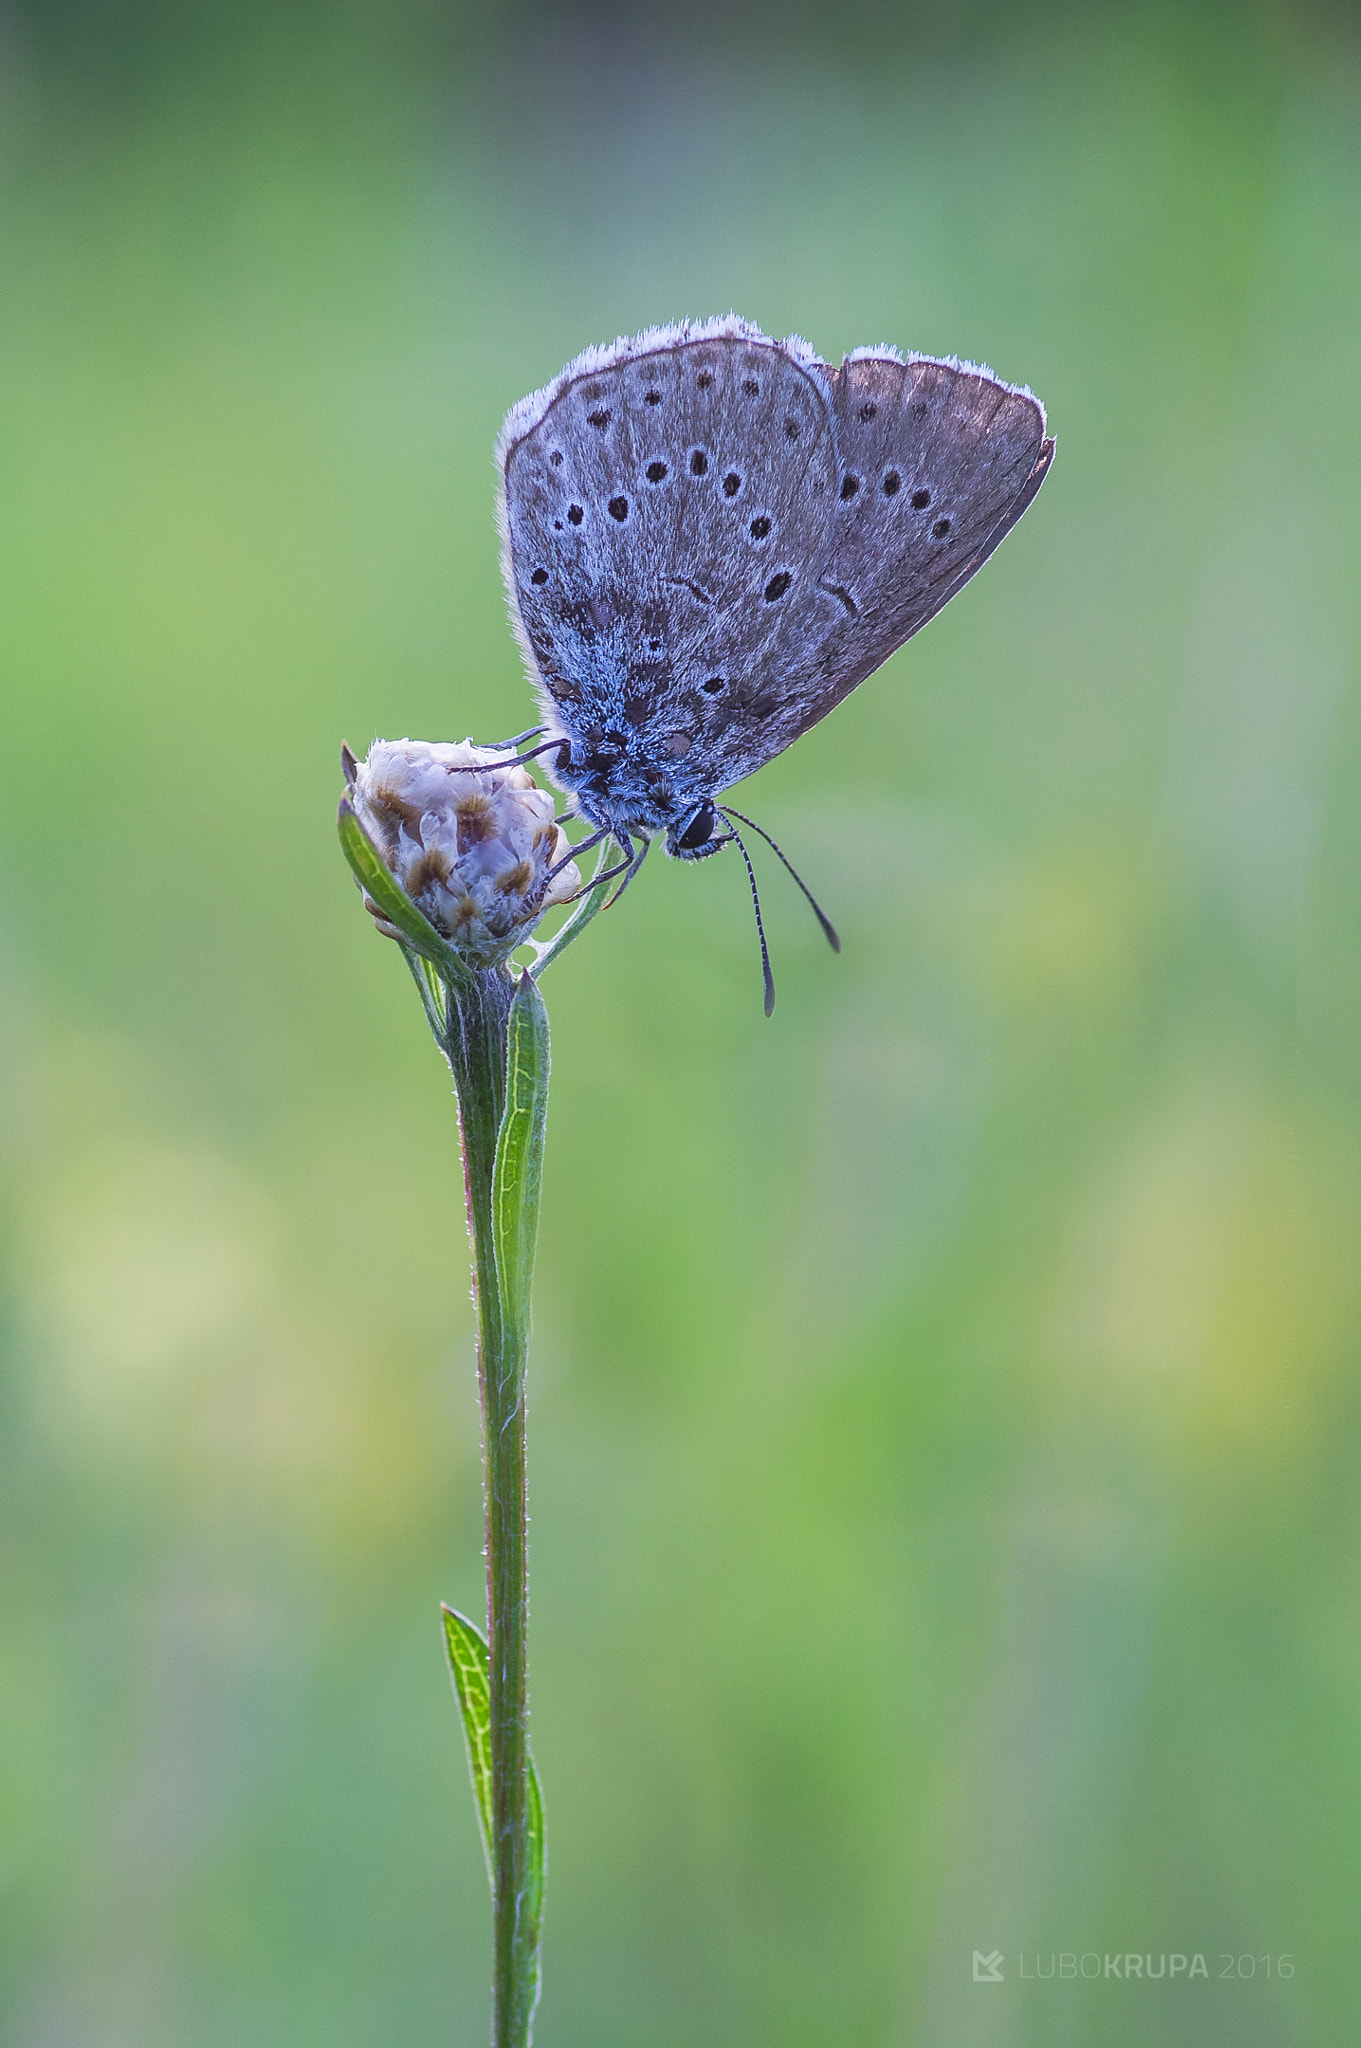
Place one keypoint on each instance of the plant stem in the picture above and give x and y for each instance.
(475, 1043)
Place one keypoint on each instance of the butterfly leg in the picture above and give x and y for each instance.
(627, 867)
(582, 846)
(509, 746)
(632, 864)
(515, 760)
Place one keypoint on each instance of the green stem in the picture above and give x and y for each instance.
(495, 1037)
(475, 1041)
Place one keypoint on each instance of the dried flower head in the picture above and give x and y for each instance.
(469, 836)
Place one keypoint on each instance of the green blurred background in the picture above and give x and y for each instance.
(945, 1426)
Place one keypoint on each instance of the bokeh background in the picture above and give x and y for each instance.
(945, 1424)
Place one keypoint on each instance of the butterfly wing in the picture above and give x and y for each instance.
(711, 538)
(666, 505)
(937, 463)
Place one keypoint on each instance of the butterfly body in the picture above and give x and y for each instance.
(712, 537)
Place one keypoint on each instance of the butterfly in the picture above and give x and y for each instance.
(710, 538)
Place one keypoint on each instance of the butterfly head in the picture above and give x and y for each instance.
(696, 833)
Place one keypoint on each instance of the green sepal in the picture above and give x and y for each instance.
(431, 989)
(377, 880)
(517, 1176)
(470, 1667)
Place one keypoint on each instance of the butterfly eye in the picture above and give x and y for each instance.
(699, 830)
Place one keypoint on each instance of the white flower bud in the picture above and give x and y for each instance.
(469, 836)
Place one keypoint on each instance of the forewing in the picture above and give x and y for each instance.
(937, 462)
(667, 508)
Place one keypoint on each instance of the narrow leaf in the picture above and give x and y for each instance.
(378, 881)
(517, 1177)
(538, 1857)
(470, 1667)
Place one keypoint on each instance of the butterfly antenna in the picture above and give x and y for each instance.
(760, 928)
(829, 929)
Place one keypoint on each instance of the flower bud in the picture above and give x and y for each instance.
(469, 836)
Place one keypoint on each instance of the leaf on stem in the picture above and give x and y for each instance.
(517, 1177)
(470, 1666)
(378, 881)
